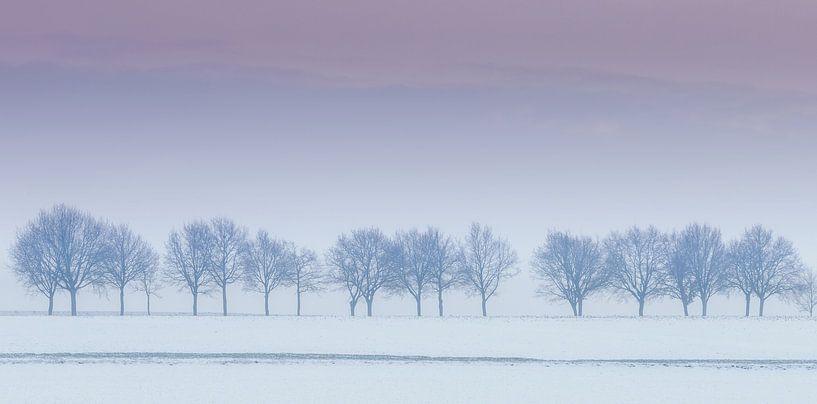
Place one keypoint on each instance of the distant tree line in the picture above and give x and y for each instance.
(65, 249)
(694, 263)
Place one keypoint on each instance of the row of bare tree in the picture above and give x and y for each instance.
(691, 264)
(218, 253)
(67, 249)
(366, 261)
(363, 263)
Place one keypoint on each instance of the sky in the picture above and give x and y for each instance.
(312, 118)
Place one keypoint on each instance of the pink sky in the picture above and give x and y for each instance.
(758, 43)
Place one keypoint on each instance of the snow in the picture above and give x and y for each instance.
(406, 359)
(528, 337)
(399, 382)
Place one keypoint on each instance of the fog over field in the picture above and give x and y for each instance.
(527, 117)
(311, 120)
(308, 159)
(570, 176)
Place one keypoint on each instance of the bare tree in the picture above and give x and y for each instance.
(304, 273)
(443, 256)
(266, 262)
(741, 272)
(189, 257)
(486, 260)
(680, 279)
(769, 265)
(413, 271)
(637, 263)
(804, 293)
(34, 264)
(571, 267)
(344, 271)
(148, 283)
(703, 254)
(363, 263)
(75, 243)
(225, 268)
(128, 258)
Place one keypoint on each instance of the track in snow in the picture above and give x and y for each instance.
(250, 358)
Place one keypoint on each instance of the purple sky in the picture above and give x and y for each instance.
(312, 118)
(757, 43)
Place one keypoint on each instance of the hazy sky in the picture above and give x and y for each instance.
(758, 43)
(311, 118)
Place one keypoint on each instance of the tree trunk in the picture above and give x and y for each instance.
(641, 308)
(760, 307)
(122, 301)
(224, 299)
(686, 308)
(298, 308)
(195, 303)
(266, 303)
(148, 298)
(50, 305)
(748, 300)
(704, 302)
(419, 305)
(574, 308)
(369, 307)
(73, 302)
(352, 304)
(484, 308)
(581, 302)
(440, 301)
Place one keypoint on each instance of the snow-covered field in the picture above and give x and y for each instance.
(361, 382)
(340, 359)
(526, 337)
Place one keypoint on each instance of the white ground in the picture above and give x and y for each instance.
(254, 359)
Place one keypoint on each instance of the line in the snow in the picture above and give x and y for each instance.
(256, 357)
